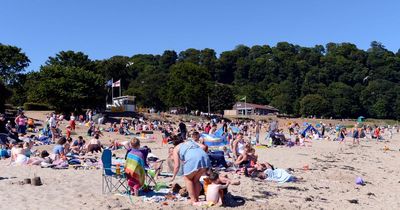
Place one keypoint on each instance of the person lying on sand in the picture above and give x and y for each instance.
(271, 174)
(43, 157)
(115, 145)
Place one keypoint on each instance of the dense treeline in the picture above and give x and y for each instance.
(338, 80)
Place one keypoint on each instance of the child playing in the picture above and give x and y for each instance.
(216, 187)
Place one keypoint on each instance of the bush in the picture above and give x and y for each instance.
(36, 106)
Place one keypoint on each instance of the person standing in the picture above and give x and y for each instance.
(20, 121)
(3, 127)
(258, 128)
(182, 130)
(53, 127)
(192, 162)
(72, 122)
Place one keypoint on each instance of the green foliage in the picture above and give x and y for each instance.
(313, 104)
(221, 98)
(188, 86)
(12, 62)
(71, 59)
(36, 106)
(66, 88)
(337, 80)
(5, 93)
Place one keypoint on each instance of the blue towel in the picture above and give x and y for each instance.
(278, 175)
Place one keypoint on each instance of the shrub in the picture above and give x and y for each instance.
(36, 106)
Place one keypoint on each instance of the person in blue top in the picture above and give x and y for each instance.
(58, 149)
(191, 161)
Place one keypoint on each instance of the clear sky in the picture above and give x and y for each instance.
(103, 28)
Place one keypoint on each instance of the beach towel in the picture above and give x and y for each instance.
(278, 175)
(134, 166)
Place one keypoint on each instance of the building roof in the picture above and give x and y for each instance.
(242, 105)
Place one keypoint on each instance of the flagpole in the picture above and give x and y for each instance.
(208, 97)
(245, 106)
(120, 87)
(112, 90)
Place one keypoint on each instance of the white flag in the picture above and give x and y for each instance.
(117, 83)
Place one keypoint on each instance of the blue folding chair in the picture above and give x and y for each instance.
(112, 182)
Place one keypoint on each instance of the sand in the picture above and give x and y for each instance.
(328, 184)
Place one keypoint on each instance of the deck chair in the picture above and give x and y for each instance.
(112, 182)
(152, 174)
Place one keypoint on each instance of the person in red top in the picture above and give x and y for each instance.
(72, 122)
(377, 133)
(68, 132)
(207, 128)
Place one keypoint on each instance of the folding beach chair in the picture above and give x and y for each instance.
(152, 174)
(112, 182)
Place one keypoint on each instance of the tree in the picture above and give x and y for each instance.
(12, 62)
(337, 80)
(188, 86)
(221, 98)
(146, 88)
(313, 104)
(71, 59)
(19, 89)
(168, 59)
(343, 100)
(5, 94)
(66, 88)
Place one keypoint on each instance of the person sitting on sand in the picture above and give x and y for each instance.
(90, 131)
(59, 150)
(196, 138)
(215, 189)
(67, 145)
(94, 145)
(223, 179)
(31, 123)
(28, 148)
(78, 145)
(238, 146)
(97, 131)
(18, 155)
(247, 158)
(134, 166)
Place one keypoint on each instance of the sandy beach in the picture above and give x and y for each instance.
(329, 183)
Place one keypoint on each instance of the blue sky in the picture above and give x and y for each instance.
(103, 28)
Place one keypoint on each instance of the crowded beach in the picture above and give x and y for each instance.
(171, 161)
